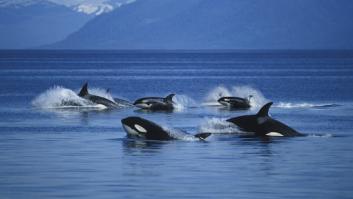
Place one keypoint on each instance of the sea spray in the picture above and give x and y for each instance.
(180, 134)
(257, 100)
(183, 101)
(219, 126)
(217, 93)
(60, 97)
(57, 97)
(288, 105)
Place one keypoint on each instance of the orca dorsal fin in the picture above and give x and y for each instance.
(264, 110)
(84, 90)
(169, 98)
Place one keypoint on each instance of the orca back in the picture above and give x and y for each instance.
(84, 90)
(263, 112)
(246, 123)
(96, 99)
(262, 124)
(101, 100)
(169, 98)
(275, 126)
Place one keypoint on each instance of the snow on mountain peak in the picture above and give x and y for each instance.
(89, 7)
(93, 7)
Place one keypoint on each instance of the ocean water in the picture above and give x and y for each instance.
(51, 151)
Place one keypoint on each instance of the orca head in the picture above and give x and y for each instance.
(84, 90)
(137, 126)
(224, 101)
(143, 103)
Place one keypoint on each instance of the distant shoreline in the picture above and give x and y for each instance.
(291, 53)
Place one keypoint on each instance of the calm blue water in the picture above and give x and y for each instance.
(52, 152)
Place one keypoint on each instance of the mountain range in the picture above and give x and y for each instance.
(221, 24)
(33, 23)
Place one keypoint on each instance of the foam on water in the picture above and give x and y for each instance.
(219, 126)
(217, 93)
(180, 134)
(183, 101)
(326, 135)
(60, 97)
(289, 105)
(257, 100)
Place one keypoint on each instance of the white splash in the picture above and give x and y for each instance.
(180, 134)
(183, 101)
(217, 93)
(257, 100)
(219, 126)
(288, 105)
(60, 97)
(326, 135)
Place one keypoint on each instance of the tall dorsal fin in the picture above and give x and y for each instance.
(169, 98)
(84, 90)
(264, 110)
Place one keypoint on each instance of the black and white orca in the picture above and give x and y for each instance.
(156, 103)
(97, 99)
(235, 102)
(263, 125)
(142, 128)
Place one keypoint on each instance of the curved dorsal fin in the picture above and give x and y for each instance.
(84, 90)
(169, 98)
(264, 110)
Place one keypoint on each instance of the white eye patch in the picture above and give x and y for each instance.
(274, 134)
(140, 128)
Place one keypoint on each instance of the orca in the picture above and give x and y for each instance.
(235, 102)
(119, 101)
(97, 99)
(156, 103)
(263, 125)
(141, 128)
